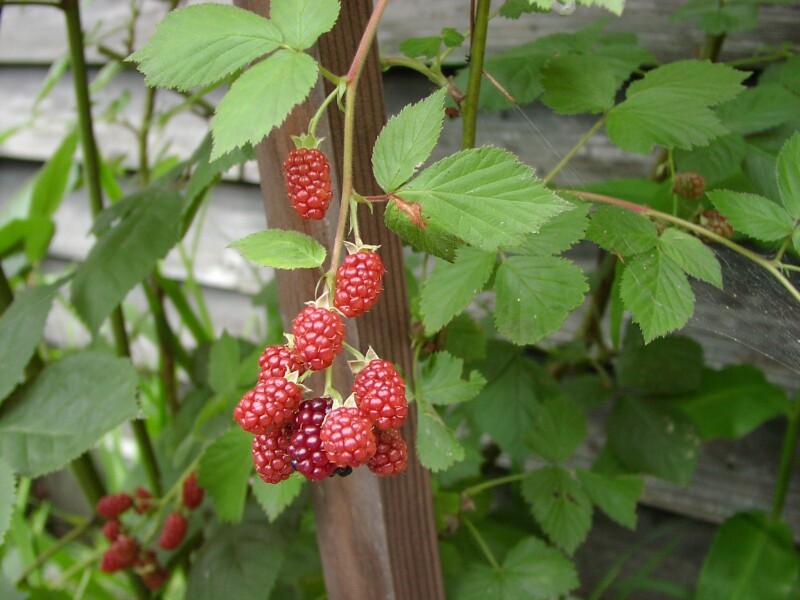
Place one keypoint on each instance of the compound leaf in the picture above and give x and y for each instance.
(201, 44)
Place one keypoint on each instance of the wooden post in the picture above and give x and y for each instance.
(377, 538)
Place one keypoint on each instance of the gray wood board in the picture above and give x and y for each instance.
(536, 134)
(36, 34)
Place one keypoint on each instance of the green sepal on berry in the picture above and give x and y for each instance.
(307, 140)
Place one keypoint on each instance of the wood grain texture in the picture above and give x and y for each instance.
(407, 499)
(377, 538)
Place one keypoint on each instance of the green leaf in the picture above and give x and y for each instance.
(614, 6)
(531, 569)
(646, 438)
(407, 141)
(762, 169)
(615, 496)
(70, 405)
(535, 295)
(751, 557)
(437, 446)
(208, 171)
(275, 498)
(693, 81)
(514, 9)
(452, 38)
(656, 117)
(506, 406)
(241, 563)
(8, 492)
(416, 47)
(559, 505)
(789, 175)
(224, 470)
(51, 182)
(281, 249)
(485, 196)
(21, 330)
(718, 161)
(432, 240)
(621, 231)
(671, 106)
(465, 338)
(753, 215)
(280, 82)
(302, 21)
(716, 18)
(658, 294)
(757, 109)
(692, 255)
(576, 83)
(666, 366)
(732, 402)
(451, 286)
(123, 257)
(558, 428)
(199, 45)
(557, 235)
(441, 382)
(223, 364)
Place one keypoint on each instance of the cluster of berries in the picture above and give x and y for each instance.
(717, 223)
(315, 438)
(125, 551)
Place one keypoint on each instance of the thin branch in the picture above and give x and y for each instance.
(576, 148)
(695, 228)
(91, 161)
(477, 52)
(353, 77)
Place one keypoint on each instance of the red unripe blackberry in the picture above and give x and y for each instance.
(142, 500)
(275, 361)
(359, 281)
(381, 394)
(112, 529)
(689, 185)
(318, 337)
(347, 437)
(714, 221)
(173, 531)
(192, 493)
(153, 574)
(121, 554)
(271, 404)
(271, 455)
(307, 174)
(305, 447)
(113, 505)
(155, 579)
(391, 454)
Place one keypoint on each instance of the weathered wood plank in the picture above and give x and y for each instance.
(35, 34)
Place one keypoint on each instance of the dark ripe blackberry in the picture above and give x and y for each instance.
(305, 447)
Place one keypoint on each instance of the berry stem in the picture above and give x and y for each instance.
(574, 150)
(69, 537)
(353, 77)
(487, 552)
(312, 124)
(487, 485)
(766, 264)
(790, 440)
